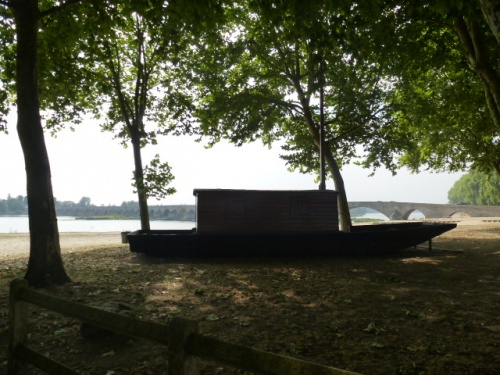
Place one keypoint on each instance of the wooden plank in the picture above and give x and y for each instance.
(18, 319)
(256, 360)
(43, 363)
(179, 360)
(185, 341)
(105, 319)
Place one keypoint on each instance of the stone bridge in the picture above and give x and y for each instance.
(402, 210)
(393, 210)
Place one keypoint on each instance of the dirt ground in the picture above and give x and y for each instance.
(416, 312)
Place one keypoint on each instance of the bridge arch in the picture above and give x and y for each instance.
(362, 212)
(415, 212)
(459, 213)
(388, 210)
(429, 210)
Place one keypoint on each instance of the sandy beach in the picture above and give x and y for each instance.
(17, 244)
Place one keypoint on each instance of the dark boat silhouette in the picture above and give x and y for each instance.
(256, 223)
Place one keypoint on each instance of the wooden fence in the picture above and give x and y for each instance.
(185, 344)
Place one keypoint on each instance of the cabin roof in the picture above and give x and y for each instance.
(196, 191)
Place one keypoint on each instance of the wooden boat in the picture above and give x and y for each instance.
(254, 223)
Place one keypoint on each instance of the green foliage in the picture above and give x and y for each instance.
(157, 177)
(128, 53)
(7, 65)
(84, 202)
(476, 188)
(14, 205)
(17, 205)
(131, 52)
(442, 108)
(104, 217)
(261, 79)
(67, 94)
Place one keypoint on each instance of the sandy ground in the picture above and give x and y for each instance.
(17, 244)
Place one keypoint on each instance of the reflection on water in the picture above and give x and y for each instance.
(19, 224)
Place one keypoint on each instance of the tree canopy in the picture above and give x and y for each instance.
(262, 78)
(133, 62)
(128, 59)
(444, 64)
(476, 188)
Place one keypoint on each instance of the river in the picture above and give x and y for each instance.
(19, 224)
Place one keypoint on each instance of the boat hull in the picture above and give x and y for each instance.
(362, 240)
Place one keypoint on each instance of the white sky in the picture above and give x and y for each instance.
(90, 163)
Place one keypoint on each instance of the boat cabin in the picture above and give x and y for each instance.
(225, 211)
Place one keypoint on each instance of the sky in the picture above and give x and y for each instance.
(89, 163)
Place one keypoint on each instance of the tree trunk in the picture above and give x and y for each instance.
(345, 221)
(491, 12)
(139, 182)
(343, 205)
(480, 62)
(45, 266)
(497, 169)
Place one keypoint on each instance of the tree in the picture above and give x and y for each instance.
(443, 64)
(45, 266)
(16, 206)
(491, 12)
(481, 57)
(476, 188)
(128, 66)
(4, 209)
(263, 76)
(84, 202)
(133, 59)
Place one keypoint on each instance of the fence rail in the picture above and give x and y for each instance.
(185, 344)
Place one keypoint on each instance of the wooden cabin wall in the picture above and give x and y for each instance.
(255, 211)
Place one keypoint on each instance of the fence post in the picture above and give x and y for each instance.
(179, 361)
(18, 318)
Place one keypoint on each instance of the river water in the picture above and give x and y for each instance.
(19, 224)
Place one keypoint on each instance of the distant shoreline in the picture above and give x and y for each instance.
(118, 217)
(174, 212)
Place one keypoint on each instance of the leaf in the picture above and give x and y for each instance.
(371, 328)
(212, 317)
(414, 348)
